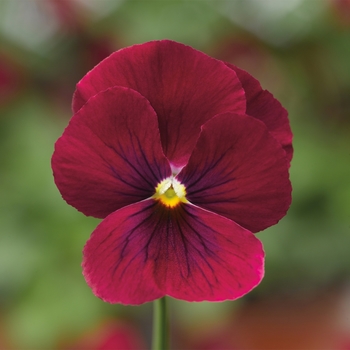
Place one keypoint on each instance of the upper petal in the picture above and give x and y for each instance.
(240, 171)
(110, 154)
(262, 105)
(145, 251)
(184, 86)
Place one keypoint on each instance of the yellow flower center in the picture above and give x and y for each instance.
(170, 192)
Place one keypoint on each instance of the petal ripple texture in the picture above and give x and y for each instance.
(184, 157)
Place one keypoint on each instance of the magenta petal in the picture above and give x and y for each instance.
(145, 251)
(209, 257)
(119, 258)
(110, 154)
(184, 86)
(240, 171)
(262, 105)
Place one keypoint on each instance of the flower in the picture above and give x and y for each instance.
(185, 158)
(12, 78)
(109, 335)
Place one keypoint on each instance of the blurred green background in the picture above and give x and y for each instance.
(298, 49)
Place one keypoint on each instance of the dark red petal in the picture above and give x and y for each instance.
(262, 105)
(240, 171)
(184, 86)
(145, 251)
(110, 154)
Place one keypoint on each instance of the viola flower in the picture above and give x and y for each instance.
(185, 158)
(12, 78)
(110, 335)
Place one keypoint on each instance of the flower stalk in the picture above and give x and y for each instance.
(160, 339)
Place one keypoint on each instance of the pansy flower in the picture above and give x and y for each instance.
(184, 157)
(109, 335)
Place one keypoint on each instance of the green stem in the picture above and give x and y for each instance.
(160, 339)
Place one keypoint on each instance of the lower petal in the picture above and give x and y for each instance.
(210, 257)
(145, 251)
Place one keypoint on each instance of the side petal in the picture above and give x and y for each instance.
(240, 171)
(145, 251)
(184, 86)
(110, 154)
(262, 105)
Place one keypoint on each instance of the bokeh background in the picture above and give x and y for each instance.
(298, 49)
